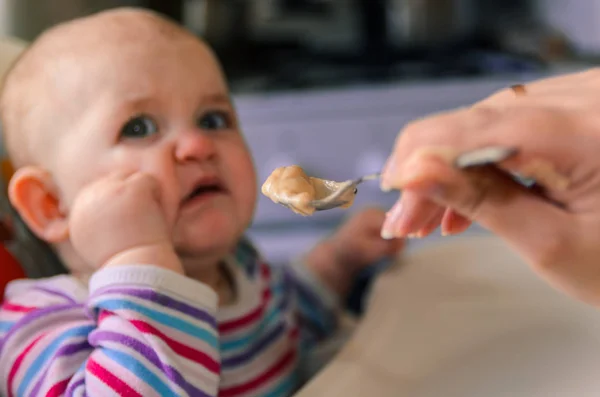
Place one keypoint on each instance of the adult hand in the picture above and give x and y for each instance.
(555, 125)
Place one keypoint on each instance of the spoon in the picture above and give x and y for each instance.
(475, 158)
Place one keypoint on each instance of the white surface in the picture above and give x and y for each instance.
(578, 20)
(466, 318)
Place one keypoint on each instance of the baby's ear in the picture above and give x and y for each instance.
(32, 193)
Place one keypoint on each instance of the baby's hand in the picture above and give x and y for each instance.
(356, 245)
(119, 220)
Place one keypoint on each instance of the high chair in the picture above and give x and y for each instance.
(10, 269)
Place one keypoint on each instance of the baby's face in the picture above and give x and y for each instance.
(162, 109)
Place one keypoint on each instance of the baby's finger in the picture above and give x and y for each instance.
(149, 184)
(146, 181)
(119, 175)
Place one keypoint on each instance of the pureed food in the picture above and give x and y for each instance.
(292, 188)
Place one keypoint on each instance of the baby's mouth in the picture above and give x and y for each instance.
(205, 188)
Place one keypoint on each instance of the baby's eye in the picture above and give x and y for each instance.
(139, 127)
(215, 120)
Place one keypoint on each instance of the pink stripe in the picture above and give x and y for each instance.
(15, 368)
(11, 307)
(265, 271)
(233, 325)
(247, 319)
(190, 353)
(58, 389)
(110, 380)
(275, 370)
(104, 314)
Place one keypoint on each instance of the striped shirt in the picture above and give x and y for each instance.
(144, 331)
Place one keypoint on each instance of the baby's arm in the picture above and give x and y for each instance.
(328, 272)
(318, 307)
(143, 331)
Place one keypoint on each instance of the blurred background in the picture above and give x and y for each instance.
(327, 84)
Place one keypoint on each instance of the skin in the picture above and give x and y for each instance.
(556, 128)
(108, 74)
(103, 197)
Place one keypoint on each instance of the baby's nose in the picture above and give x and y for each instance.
(194, 146)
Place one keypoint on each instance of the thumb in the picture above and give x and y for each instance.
(531, 224)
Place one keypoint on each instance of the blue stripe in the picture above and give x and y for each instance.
(114, 305)
(312, 313)
(259, 346)
(277, 290)
(40, 361)
(6, 325)
(284, 388)
(140, 371)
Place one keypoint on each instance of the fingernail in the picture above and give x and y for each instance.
(391, 219)
(422, 234)
(447, 233)
(387, 235)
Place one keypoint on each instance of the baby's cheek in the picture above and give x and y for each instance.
(242, 180)
(77, 180)
(124, 161)
(68, 185)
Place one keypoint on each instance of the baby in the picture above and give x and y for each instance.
(131, 166)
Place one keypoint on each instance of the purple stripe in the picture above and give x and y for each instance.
(35, 316)
(74, 386)
(55, 293)
(98, 337)
(163, 300)
(256, 349)
(66, 350)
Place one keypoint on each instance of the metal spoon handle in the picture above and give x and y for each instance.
(474, 158)
(369, 177)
